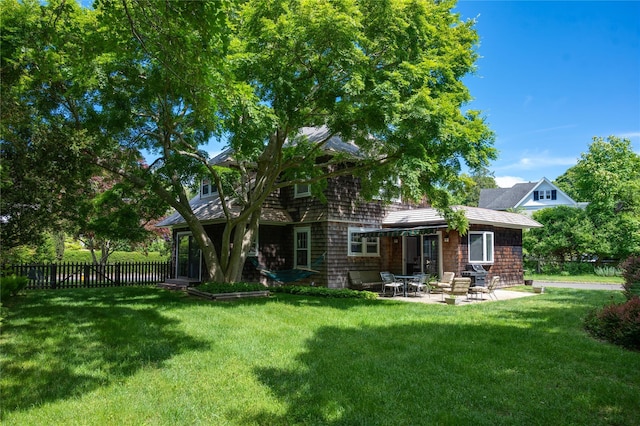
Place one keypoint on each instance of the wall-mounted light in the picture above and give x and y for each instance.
(446, 237)
(395, 241)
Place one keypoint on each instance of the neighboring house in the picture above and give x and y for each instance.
(356, 235)
(526, 197)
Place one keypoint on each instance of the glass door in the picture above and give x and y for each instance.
(430, 252)
(188, 257)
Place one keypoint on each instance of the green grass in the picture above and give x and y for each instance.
(134, 356)
(583, 278)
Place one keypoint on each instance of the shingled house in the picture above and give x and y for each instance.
(351, 234)
(527, 197)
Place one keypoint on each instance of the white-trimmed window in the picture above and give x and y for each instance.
(207, 189)
(480, 247)
(301, 190)
(253, 251)
(302, 244)
(362, 246)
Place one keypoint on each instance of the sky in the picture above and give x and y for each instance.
(553, 75)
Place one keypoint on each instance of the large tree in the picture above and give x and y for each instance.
(608, 177)
(567, 234)
(166, 77)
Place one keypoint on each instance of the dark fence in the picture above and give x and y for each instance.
(88, 275)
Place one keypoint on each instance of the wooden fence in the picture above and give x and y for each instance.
(89, 275)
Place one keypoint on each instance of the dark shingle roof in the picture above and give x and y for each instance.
(504, 198)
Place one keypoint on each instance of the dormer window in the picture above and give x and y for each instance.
(549, 194)
(207, 189)
(302, 190)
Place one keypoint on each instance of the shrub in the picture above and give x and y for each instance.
(215, 288)
(607, 271)
(631, 274)
(617, 323)
(12, 285)
(326, 292)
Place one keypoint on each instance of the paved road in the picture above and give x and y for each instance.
(582, 286)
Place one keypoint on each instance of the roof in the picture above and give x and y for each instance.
(505, 198)
(210, 210)
(475, 216)
(334, 143)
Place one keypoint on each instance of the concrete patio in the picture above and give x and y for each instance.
(436, 298)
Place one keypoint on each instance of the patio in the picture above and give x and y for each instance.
(435, 298)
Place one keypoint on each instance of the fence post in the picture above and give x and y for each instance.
(53, 275)
(117, 277)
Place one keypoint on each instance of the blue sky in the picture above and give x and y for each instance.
(552, 75)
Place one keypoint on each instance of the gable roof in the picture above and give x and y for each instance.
(475, 216)
(210, 210)
(334, 144)
(505, 198)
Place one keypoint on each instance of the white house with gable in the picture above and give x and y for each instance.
(528, 197)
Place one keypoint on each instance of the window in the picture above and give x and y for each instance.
(480, 247)
(301, 190)
(362, 246)
(302, 244)
(253, 251)
(547, 194)
(206, 189)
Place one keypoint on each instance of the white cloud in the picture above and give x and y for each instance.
(540, 160)
(629, 135)
(508, 181)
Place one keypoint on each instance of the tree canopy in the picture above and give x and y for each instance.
(133, 77)
(608, 177)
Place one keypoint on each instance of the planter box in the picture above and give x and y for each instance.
(452, 300)
(227, 296)
(528, 282)
(538, 289)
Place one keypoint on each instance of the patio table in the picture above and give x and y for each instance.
(405, 279)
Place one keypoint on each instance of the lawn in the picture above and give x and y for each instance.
(581, 278)
(133, 356)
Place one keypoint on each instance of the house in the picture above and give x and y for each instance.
(527, 197)
(351, 234)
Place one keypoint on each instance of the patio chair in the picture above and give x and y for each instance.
(389, 281)
(446, 281)
(489, 289)
(420, 282)
(459, 287)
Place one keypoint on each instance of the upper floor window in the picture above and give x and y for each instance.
(480, 247)
(390, 190)
(207, 189)
(362, 246)
(301, 190)
(547, 194)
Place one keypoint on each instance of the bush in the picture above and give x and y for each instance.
(326, 292)
(617, 323)
(12, 285)
(607, 271)
(631, 274)
(215, 288)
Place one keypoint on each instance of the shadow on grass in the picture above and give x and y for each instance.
(484, 371)
(62, 344)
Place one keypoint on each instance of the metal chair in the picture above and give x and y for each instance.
(389, 281)
(489, 289)
(420, 282)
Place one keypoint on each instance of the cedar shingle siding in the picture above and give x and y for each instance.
(329, 223)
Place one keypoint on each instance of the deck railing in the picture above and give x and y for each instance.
(88, 275)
